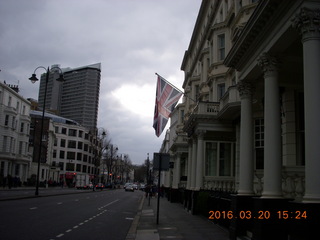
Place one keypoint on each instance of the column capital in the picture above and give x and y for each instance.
(245, 89)
(268, 64)
(200, 134)
(307, 22)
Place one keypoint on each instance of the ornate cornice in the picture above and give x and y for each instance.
(307, 22)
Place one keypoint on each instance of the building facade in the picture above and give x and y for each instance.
(71, 153)
(78, 97)
(14, 136)
(250, 116)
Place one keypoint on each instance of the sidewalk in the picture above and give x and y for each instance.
(29, 192)
(174, 223)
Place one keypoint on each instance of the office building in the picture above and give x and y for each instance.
(78, 97)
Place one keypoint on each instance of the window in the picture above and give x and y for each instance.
(6, 120)
(64, 131)
(70, 167)
(72, 144)
(197, 92)
(56, 129)
(78, 168)
(225, 159)
(221, 89)
(4, 144)
(71, 155)
(9, 101)
(61, 154)
(2, 167)
(211, 158)
(181, 116)
(22, 127)
(86, 147)
(259, 142)
(72, 132)
(80, 134)
(80, 145)
(61, 165)
(20, 147)
(79, 156)
(221, 47)
(62, 143)
(13, 123)
(219, 158)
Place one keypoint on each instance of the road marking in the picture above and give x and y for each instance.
(100, 208)
(129, 218)
(75, 226)
(59, 203)
(33, 208)
(60, 235)
(69, 230)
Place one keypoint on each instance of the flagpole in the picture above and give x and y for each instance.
(175, 87)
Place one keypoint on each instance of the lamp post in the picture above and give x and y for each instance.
(33, 79)
(109, 166)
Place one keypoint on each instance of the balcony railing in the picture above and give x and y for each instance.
(207, 108)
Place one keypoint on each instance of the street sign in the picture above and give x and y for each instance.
(165, 159)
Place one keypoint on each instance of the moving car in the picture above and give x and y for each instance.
(100, 186)
(129, 188)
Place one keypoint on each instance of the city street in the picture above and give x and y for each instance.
(106, 214)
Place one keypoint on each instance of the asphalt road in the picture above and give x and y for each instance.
(90, 215)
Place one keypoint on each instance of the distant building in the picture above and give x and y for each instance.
(78, 97)
(14, 134)
(71, 152)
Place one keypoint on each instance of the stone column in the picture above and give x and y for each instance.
(189, 164)
(176, 175)
(200, 151)
(272, 128)
(194, 164)
(246, 167)
(307, 21)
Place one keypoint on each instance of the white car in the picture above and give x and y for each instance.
(129, 188)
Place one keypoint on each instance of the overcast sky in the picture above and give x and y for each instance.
(132, 39)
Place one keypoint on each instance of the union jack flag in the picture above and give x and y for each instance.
(167, 97)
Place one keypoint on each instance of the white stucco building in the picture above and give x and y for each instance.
(250, 115)
(14, 134)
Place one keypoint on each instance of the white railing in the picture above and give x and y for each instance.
(211, 108)
(226, 184)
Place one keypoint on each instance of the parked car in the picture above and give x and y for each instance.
(127, 184)
(88, 186)
(129, 188)
(135, 186)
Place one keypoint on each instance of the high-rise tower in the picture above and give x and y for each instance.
(78, 97)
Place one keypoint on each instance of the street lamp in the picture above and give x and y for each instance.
(33, 79)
